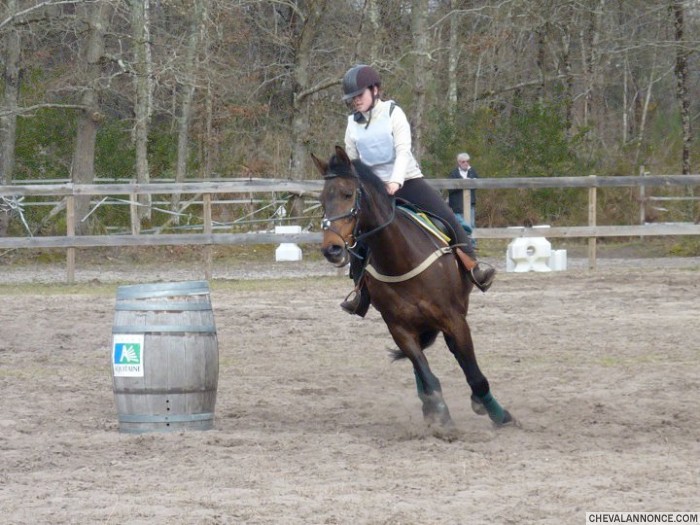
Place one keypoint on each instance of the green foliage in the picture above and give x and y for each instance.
(114, 155)
(44, 145)
(162, 152)
(531, 142)
(534, 141)
(686, 247)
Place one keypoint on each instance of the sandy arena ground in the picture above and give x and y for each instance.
(315, 424)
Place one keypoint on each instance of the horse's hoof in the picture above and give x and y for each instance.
(508, 421)
(478, 406)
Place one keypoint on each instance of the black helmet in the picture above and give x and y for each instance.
(359, 78)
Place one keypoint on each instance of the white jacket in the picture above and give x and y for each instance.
(385, 144)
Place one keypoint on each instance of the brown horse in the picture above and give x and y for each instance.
(413, 278)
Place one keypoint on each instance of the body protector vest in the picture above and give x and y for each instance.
(375, 143)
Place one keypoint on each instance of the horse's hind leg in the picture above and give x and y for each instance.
(483, 401)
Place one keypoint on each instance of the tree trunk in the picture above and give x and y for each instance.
(541, 36)
(83, 170)
(453, 62)
(681, 72)
(370, 13)
(303, 60)
(210, 141)
(8, 121)
(419, 24)
(190, 85)
(591, 54)
(142, 107)
(566, 70)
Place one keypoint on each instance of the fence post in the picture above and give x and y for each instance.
(592, 205)
(206, 198)
(134, 214)
(642, 199)
(70, 232)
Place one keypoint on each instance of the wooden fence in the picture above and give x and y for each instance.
(312, 188)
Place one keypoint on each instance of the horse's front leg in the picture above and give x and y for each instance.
(483, 401)
(435, 411)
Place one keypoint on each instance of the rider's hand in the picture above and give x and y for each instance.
(392, 187)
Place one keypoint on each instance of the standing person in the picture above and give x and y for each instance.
(455, 198)
(378, 133)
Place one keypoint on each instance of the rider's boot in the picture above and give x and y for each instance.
(481, 277)
(357, 301)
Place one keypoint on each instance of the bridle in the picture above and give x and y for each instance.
(327, 222)
(356, 235)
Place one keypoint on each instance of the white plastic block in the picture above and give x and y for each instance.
(288, 251)
(557, 261)
(528, 254)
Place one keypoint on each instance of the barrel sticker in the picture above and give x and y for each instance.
(127, 355)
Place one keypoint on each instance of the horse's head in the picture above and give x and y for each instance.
(340, 199)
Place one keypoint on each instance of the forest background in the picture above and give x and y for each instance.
(183, 90)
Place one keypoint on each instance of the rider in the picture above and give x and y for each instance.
(379, 135)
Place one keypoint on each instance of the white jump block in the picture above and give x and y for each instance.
(557, 261)
(288, 251)
(534, 254)
(528, 254)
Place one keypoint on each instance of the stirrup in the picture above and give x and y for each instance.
(488, 274)
(350, 305)
(358, 304)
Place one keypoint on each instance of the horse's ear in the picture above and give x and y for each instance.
(321, 166)
(342, 156)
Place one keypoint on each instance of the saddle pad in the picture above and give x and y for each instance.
(424, 221)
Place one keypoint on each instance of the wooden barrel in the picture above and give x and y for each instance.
(165, 357)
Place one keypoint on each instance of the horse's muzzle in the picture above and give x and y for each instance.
(336, 254)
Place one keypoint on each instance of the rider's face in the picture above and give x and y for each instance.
(363, 101)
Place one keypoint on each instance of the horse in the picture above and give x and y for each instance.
(414, 280)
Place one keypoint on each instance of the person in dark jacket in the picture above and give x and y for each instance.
(464, 170)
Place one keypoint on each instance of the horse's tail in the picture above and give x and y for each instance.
(396, 355)
(426, 339)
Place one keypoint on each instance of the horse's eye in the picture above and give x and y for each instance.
(347, 195)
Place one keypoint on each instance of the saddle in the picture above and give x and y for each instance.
(432, 223)
(429, 221)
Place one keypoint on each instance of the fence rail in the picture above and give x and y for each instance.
(312, 188)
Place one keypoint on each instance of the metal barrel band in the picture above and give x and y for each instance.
(163, 307)
(148, 291)
(144, 418)
(164, 328)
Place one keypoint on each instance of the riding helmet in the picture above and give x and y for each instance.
(357, 79)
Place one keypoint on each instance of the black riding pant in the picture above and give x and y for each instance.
(424, 196)
(421, 194)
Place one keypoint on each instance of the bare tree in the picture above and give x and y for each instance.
(421, 70)
(681, 72)
(453, 53)
(94, 16)
(189, 85)
(8, 118)
(143, 88)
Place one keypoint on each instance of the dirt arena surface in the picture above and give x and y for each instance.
(315, 424)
